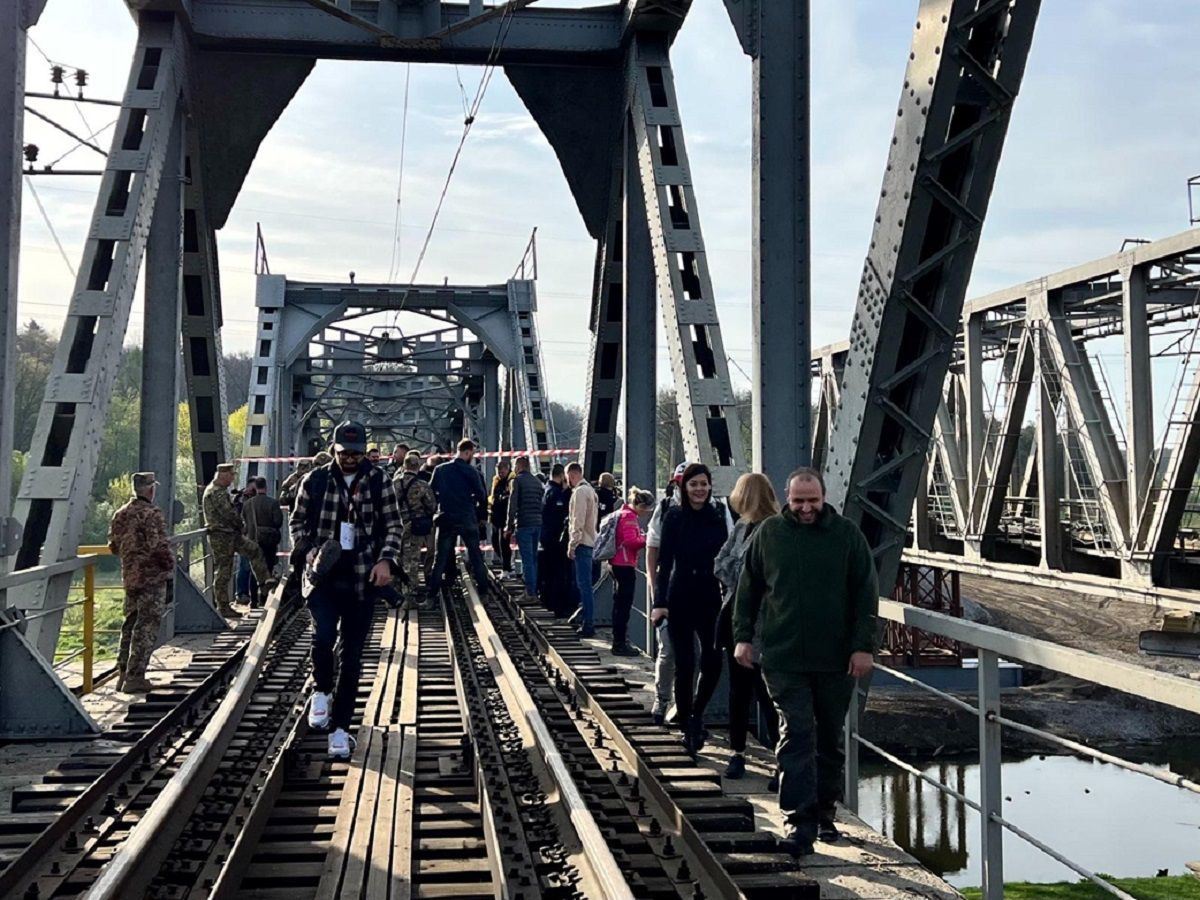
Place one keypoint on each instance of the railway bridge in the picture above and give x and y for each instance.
(498, 755)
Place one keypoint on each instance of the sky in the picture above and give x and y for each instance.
(1103, 139)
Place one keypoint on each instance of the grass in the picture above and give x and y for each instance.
(110, 603)
(1179, 887)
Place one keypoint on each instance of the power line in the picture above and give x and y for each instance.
(49, 224)
(393, 267)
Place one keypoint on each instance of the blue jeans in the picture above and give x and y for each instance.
(583, 578)
(527, 547)
(242, 586)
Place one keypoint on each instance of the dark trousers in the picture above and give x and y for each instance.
(746, 686)
(559, 592)
(624, 582)
(693, 618)
(448, 533)
(502, 548)
(811, 707)
(331, 605)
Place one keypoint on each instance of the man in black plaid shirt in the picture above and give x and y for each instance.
(346, 529)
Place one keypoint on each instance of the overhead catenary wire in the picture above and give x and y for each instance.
(49, 225)
(393, 267)
(480, 92)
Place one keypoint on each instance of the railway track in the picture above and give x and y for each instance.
(496, 757)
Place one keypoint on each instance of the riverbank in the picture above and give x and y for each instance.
(1183, 887)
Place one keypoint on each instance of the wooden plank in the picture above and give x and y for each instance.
(390, 668)
(410, 680)
(402, 825)
(364, 819)
(378, 875)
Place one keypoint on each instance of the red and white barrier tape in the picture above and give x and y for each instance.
(491, 454)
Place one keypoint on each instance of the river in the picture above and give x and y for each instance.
(1100, 816)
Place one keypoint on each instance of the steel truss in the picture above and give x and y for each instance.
(324, 355)
(966, 66)
(1103, 493)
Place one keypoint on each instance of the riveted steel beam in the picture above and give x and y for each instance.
(966, 66)
(707, 409)
(54, 492)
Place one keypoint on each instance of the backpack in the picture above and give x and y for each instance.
(606, 538)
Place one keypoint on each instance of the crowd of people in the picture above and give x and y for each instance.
(784, 597)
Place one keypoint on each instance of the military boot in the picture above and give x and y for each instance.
(137, 684)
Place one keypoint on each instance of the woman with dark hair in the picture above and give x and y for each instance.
(688, 595)
(498, 515)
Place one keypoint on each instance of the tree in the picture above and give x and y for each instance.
(35, 353)
(238, 369)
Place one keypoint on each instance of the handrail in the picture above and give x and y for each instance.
(1171, 690)
(992, 644)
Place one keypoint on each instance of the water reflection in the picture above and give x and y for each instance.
(1101, 816)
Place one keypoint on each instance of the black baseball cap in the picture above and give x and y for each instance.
(350, 436)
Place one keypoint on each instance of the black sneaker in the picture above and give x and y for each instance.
(624, 649)
(693, 737)
(736, 767)
(586, 631)
(827, 832)
(794, 844)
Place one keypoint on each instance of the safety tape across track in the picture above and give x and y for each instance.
(490, 454)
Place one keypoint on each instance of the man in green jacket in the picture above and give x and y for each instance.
(810, 573)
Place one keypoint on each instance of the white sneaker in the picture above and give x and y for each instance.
(341, 745)
(318, 711)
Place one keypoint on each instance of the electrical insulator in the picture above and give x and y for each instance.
(56, 77)
(81, 80)
(31, 153)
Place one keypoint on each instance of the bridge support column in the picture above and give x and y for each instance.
(160, 329)
(781, 293)
(639, 404)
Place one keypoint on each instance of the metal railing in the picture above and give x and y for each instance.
(88, 556)
(994, 644)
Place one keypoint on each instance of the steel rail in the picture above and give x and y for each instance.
(136, 864)
(604, 866)
(13, 878)
(715, 874)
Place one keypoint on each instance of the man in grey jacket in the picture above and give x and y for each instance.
(525, 520)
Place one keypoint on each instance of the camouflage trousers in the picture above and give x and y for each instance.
(410, 557)
(139, 632)
(224, 546)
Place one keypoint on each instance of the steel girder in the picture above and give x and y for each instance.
(1035, 514)
(966, 66)
(605, 369)
(54, 492)
(707, 410)
(312, 367)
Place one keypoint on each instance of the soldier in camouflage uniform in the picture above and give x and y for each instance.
(291, 484)
(138, 535)
(416, 499)
(225, 538)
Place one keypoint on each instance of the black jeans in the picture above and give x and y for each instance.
(559, 592)
(332, 604)
(690, 618)
(811, 707)
(624, 582)
(746, 686)
(502, 547)
(448, 533)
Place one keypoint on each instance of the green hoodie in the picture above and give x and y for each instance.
(817, 590)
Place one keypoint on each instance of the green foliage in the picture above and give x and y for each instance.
(1183, 887)
(237, 430)
(35, 353)
(19, 460)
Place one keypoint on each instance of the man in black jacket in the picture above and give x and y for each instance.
(555, 570)
(460, 495)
